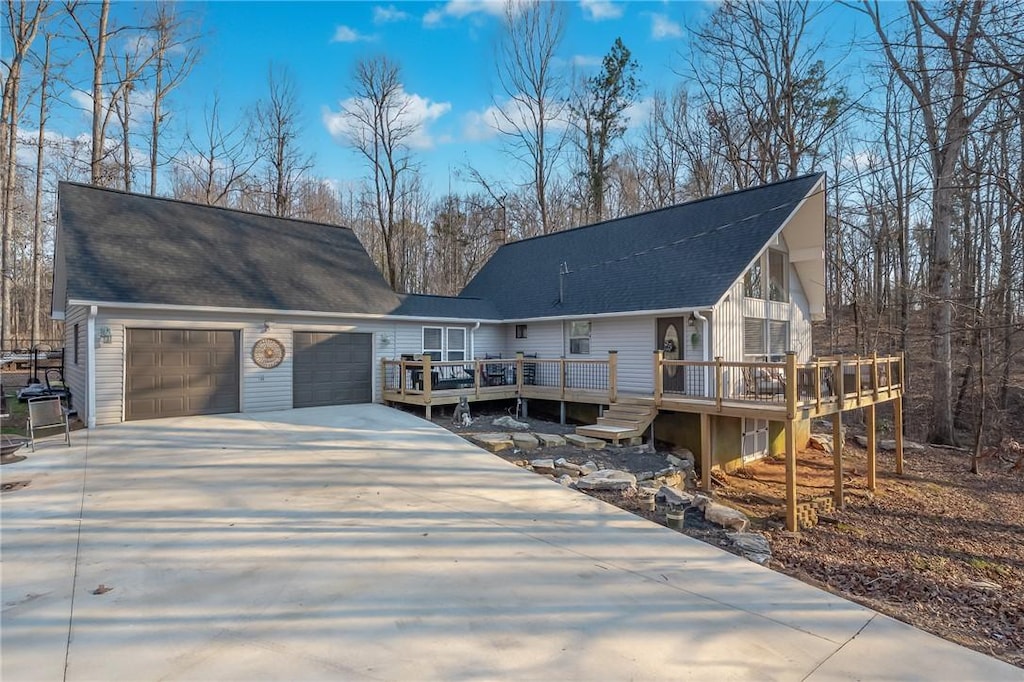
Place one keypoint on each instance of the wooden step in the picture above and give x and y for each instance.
(624, 423)
(638, 410)
(612, 433)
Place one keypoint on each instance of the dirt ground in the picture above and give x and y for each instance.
(937, 547)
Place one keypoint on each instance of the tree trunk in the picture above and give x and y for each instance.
(37, 242)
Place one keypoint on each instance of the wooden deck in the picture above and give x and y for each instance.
(784, 392)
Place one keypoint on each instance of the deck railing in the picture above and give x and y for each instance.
(820, 385)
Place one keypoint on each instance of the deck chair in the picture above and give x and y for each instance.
(47, 412)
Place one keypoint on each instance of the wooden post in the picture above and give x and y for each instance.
(613, 372)
(519, 372)
(719, 382)
(856, 378)
(477, 368)
(874, 376)
(659, 381)
(791, 524)
(817, 386)
(839, 388)
(426, 382)
(869, 422)
(897, 419)
(837, 459)
(791, 385)
(705, 452)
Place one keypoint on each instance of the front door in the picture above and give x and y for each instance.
(670, 341)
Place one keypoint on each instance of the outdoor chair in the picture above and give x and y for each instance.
(47, 412)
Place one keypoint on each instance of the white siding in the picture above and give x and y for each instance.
(542, 338)
(489, 339)
(76, 373)
(634, 339)
(727, 323)
(261, 389)
(800, 319)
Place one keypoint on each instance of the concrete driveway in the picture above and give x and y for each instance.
(364, 543)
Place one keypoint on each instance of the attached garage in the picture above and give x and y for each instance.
(332, 368)
(180, 372)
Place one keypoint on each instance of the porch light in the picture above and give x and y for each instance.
(104, 335)
(266, 326)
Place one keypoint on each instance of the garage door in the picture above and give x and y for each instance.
(332, 369)
(180, 372)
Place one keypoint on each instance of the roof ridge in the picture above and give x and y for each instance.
(197, 204)
(457, 297)
(665, 208)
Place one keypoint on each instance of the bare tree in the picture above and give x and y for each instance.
(175, 52)
(534, 94)
(37, 241)
(935, 62)
(216, 163)
(23, 19)
(380, 130)
(278, 126)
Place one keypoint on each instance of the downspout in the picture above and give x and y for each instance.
(705, 352)
(90, 368)
(472, 341)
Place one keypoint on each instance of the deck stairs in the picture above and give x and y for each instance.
(621, 421)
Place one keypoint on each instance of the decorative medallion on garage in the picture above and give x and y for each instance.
(268, 353)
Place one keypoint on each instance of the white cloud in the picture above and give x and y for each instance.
(385, 15)
(459, 9)
(479, 126)
(585, 60)
(638, 112)
(346, 34)
(412, 110)
(599, 10)
(663, 28)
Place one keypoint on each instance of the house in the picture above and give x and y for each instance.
(680, 316)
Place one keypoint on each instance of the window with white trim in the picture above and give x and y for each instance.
(456, 344)
(777, 280)
(778, 339)
(753, 337)
(433, 338)
(765, 338)
(579, 337)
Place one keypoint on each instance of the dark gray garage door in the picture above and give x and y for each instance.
(332, 369)
(180, 372)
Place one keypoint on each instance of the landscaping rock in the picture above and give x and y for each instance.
(645, 449)
(647, 491)
(820, 441)
(495, 442)
(588, 467)
(645, 476)
(672, 497)
(525, 441)
(607, 479)
(701, 501)
(727, 517)
(681, 458)
(510, 423)
(565, 480)
(550, 440)
(584, 442)
(543, 466)
(562, 471)
(750, 543)
(758, 558)
(566, 464)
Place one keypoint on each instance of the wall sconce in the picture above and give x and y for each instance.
(104, 335)
(266, 326)
(385, 340)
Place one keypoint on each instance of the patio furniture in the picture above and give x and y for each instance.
(47, 412)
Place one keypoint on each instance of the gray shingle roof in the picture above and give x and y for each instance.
(684, 256)
(129, 248)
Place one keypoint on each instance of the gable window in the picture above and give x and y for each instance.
(520, 331)
(752, 287)
(579, 337)
(432, 342)
(76, 344)
(777, 280)
(456, 343)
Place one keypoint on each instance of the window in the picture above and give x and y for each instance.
(445, 343)
(579, 338)
(777, 267)
(432, 337)
(778, 339)
(76, 344)
(752, 287)
(520, 331)
(753, 336)
(456, 344)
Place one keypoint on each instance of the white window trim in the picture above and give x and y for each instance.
(764, 261)
(444, 350)
(589, 337)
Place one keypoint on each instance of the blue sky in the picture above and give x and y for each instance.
(446, 51)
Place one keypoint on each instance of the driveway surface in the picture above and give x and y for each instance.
(364, 543)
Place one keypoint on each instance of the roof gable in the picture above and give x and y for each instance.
(684, 256)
